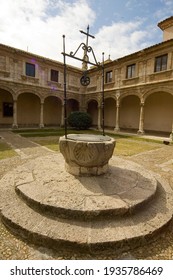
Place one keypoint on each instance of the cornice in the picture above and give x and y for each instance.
(168, 22)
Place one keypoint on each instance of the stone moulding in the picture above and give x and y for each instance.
(86, 154)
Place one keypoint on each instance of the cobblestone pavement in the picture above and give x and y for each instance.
(159, 161)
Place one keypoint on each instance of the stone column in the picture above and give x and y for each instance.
(41, 114)
(15, 125)
(117, 128)
(99, 118)
(141, 120)
(171, 135)
(62, 116)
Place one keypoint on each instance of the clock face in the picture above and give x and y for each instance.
(85, 81)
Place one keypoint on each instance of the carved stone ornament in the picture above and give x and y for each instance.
(86, 154)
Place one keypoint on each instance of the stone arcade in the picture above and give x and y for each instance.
(138, 89)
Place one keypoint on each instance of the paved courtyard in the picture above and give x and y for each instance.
(159, 161)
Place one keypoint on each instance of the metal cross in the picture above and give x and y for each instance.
(87, 34)
(86, 49)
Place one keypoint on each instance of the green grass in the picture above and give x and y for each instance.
(50, 132)
(6, 151)
(60, 132)
(51, 144)
(126, 145)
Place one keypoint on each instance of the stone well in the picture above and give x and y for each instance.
(86, 154)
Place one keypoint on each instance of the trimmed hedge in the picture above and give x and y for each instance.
(79, 120)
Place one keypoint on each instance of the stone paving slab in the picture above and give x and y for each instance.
(122, 233)
(45, 184)
(94, 235)
(158, 161)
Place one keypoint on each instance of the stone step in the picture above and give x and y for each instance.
(48, 188)
(121, 234)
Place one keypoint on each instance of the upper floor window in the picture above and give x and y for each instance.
(161, 63)
(54, 75)
(130, 71)
(109, 77)
(30, 69)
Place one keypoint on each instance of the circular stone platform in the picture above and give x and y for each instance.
(121, 190)
(122, 209)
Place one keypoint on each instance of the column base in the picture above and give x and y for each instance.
(116, 129)
(14, 126)
(141, 132)
(171, 136)
(41, 125)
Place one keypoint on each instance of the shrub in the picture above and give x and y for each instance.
(79, 120)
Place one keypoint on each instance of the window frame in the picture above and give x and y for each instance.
(160, 64)
(109, 77)
(131, 74)
(30, 69)
(52, 74)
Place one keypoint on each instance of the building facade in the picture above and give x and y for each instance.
(138, 89)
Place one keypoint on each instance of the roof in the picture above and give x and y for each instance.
(45, 59)
(164, 24)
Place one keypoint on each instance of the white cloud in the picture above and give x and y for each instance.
(39, 25)
(30, 23)
(120, 39)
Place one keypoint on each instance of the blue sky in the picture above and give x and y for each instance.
(120, 27)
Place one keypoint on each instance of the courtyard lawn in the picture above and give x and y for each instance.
(6, 151)
(126, 145)
(50, 132)
(49, 142)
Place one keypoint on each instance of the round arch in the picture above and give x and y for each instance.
(52, 111)
(158, 112)
(6, 107)
(7, 89)
(28, 91)
(110, 112)
(129, 112)
(126, 94)
(155, 90)
(92, 109)
(28, 109)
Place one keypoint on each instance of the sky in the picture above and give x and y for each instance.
(120, 27)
